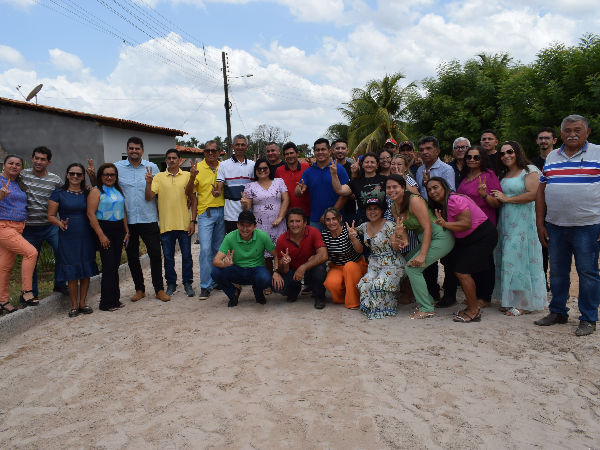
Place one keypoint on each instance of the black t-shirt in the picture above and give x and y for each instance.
(494, 162)
(350, 206)
(366, 188)
(538, 162)
(273, 167)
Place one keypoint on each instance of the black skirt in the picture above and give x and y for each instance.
(473, 251)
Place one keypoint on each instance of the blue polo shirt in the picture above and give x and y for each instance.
(133, 183)
(320, 188)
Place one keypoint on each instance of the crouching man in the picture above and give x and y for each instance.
(302, 254)
(241, 260)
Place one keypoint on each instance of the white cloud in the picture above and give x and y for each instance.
(62, 60)
(13, 57)
(21, 4)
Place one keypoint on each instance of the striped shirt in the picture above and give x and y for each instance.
(340, 249)
(39, 190)
(235, 176)
(573, 187)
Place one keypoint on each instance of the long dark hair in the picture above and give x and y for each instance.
(485, 161)
(402, 182)
(99, 177)
(82, 185)
(18, 180)
(258, 162)
(433, 205)
(521, 160)
(361, 171)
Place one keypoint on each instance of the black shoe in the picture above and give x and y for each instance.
(31, 302)
(204, 293)
(585, 328)
(319, 303)
(551, 319)
(171, 288)
(292, 298)
(187, 287)
(446, 302)
(261, 299)
(218, 288)
(306, 290)
(236, 297)
(64, 290)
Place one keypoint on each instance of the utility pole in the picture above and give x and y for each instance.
(227, 107)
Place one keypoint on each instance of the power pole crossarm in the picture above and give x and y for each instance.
(227, 107)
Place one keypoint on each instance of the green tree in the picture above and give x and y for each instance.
(375, 113)
(337, 131)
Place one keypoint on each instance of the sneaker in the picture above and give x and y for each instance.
(204, 293)
(138, 296)
(306, 290)
(188, 289)
(261, 299)
(170, 289)
(585, 328)
(64, 290)
(319, 303)
(234, 302)
(161, 295)
(551, 319)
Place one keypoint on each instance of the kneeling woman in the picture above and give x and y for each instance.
(386, 264)
(436, 242)
(347, 265)
(476, 238)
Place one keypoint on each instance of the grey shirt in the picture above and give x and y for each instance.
(39, 190)
(438, 169)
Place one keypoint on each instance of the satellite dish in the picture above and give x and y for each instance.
(34, 93)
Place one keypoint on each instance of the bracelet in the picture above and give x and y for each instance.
(484, 196)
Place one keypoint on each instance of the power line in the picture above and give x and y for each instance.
(236, 108)
(200, 105)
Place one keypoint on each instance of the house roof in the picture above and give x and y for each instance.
(197, 151)
(103, 120)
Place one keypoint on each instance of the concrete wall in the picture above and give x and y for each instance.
(115, 142)
(70, 139)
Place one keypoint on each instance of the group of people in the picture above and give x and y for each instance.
(372, 231)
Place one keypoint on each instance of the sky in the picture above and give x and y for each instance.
(159, 61)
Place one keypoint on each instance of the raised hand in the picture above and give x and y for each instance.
(245, 201)
(4, 191)
(215, 191)
(91, 170)
(228, 260)
(426, 176)
(355, 168)
(302, 186)
(418, 160)
(148, 175)
(255, 157)
(400, 228)
(352, 231)
(440, 220)
(194, 169)
(482, 188)
(333, 168)
(63, 224)
(285, 257)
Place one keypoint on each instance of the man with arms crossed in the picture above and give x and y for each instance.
(211, 222)
(569, 198)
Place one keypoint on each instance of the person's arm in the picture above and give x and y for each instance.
(532, 181)
(353, 235)
(341, 202)
(419, 208)
(463, 221)
(540, 213)
(92, 206)
(222, 260)
(150, 183)
(126, 238)
(189, 188)
(194, 214)
(52, 211)
(318, 258)
(285, 204)
(335, 181)
(277, 278)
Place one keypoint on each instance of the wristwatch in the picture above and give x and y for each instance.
(195, 222)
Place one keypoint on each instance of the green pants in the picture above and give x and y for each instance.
(442, 242)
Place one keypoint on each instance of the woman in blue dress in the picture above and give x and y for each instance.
(76, 237)
(520, 281)
(106, 211)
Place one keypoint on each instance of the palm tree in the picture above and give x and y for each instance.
(375, 113)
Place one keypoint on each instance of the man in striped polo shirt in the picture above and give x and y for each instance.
(40, 184)
(570, 190)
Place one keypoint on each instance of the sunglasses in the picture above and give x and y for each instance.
(473, 157)
(109, 175)
(510, 151)
(210, 150)
(75, 174)
(262, 169)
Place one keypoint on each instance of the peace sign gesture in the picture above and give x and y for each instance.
(400, 228)
(440, 220)
(302, 187)
(228, 260)
(482, 188)
(63, 224)
(352, 231)
(91, 170)
(194, 169)
(148, 175)
(245, 201)
(426, 176)
(355, 168)
(285, 257)
(4, 191)
(333, 168)
(255, 157)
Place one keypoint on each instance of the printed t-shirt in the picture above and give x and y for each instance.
(247, 253)
(469, 188)
(366, 188)
(291, 177)
(309, 244)
(456, 205)
(173, 212)
(320, 188)
(203, 185)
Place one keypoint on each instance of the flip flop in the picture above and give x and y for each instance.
(421, 315)
(461, 319)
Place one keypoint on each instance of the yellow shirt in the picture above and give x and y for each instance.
(173, 213)
(203, 185)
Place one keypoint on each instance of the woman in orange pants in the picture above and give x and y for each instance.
(13, 213)
(347, 265)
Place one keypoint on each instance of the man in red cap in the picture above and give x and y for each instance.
(391, 145)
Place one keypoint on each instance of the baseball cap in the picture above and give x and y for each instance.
(247, 216)
(376, 201)
(391, 141)
(409, 143)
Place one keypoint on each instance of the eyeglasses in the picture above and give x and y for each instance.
(510, 151)
(385, 158)
(75, 174)
(473, 157)
(262, 169)
(211, 150)
(461, 147)
(544, 138)
(109, 175)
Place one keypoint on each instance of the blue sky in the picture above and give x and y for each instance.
(305, 56)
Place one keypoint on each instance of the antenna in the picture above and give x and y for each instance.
(34, 93)
(18, 86)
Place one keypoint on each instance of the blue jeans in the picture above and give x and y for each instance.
(167, 240)
(258, 277)
(314, 278)
(317, 225)
(36, 237)
(211, 232)
(581, 242)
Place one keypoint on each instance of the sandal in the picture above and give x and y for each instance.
(4, 308)
(421, 315)
(121, 305)
(503, 309)
(516, 312)
(460, 319)
(483, 303)
(86, 310)
(74, 312)
(31, 302)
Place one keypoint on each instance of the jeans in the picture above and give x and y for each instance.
(36, 237)
(150, 234)
(317, 225)
(258, 277)
(185, 246)
(581, 242)
(314, 277)
(211, 232)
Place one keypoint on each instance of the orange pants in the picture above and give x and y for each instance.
(342, 282)
(12, 244)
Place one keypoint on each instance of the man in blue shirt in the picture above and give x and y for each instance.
(317, 180)
(142, 218)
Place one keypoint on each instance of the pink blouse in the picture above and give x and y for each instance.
(469, 188)
(456, 205)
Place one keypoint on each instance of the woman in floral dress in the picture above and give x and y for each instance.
(520, 281)
(386, 264)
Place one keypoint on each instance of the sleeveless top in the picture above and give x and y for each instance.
(412, 223)
(111, 206)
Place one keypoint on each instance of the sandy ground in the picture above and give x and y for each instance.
(198, 375)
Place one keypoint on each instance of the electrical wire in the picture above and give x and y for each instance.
(200, 105)
(236, 108)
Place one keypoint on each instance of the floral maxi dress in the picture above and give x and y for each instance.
(386, 270)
